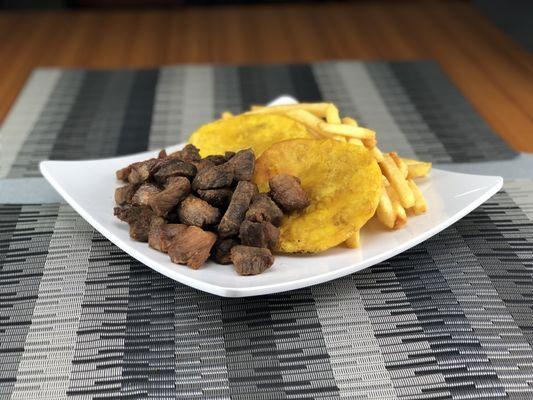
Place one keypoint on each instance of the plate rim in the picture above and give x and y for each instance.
(271, 288)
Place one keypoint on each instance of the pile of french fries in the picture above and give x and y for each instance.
(400, 197)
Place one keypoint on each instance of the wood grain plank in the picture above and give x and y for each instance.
(492, 71)
(471, 78)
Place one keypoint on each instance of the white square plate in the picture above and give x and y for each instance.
(88, 186)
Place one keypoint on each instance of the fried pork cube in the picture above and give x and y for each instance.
(174, 167)
(144, 194)
(188, 154)
(123, 173)
(251, 260)
(162, 234)
(139, 218)
(240, 201)
(196, 212)
(191, 247)
(243, 163)
(202, 164)
(216, 159)
(221, 251)
(176, 190)
(139, 172)
(214, 177)
(219, 198)
(124, 194)
(263, 209)
(287, 192)
(259, 234)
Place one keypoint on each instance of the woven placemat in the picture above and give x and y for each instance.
(76, 114)
(450, 318)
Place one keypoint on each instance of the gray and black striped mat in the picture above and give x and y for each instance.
(75, 114)
(449, 319)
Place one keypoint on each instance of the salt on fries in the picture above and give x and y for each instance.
(401, 196)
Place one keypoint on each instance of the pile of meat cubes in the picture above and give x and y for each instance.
(194, 208)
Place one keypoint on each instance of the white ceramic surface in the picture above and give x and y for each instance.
(88, 186)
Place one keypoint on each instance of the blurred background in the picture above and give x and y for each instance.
(484, 46)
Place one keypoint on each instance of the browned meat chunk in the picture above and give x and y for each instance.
(251, 260)
(174, 167)
(240, 201)
(162, 154)
(139, 218)
(216, 197)
(286, 191)
(144, 195)
(228, 155)
(140, 172)
(243, 164)
(161, 235)
(216, 159)
(191, 247)
(259, 234)
(122, 174)
(263, 209)
(196, 212)
(221, 251)
(177, 189)
(203, 163)
(124, 194)
(213, 177)
(188, 153)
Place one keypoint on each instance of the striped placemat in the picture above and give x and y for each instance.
(449, 319)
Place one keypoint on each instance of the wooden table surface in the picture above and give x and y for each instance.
(492, 71)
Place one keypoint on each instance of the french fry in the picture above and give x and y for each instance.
(347, 130)
(370, 143)
(420, 206)
(339, 138)
(226, 115)
(401, 215)
(397, 181)
(349, 121)
(402, 166)
(332, 114)
(353, 242)
(378, 155)
(352, 122)
(310, 120)
(415, 168)
(317, 109)
(385, 213)
(355, 141)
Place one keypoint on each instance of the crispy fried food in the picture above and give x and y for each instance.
(343, 182)
(397, 181)
(416, 168)
(307, 118)
(246, 131)
(332, 114)
(347, 130)
(420, 206)
(385, 213)
(402, 166)
(399, 211)
(318, 109)
(354, 241)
